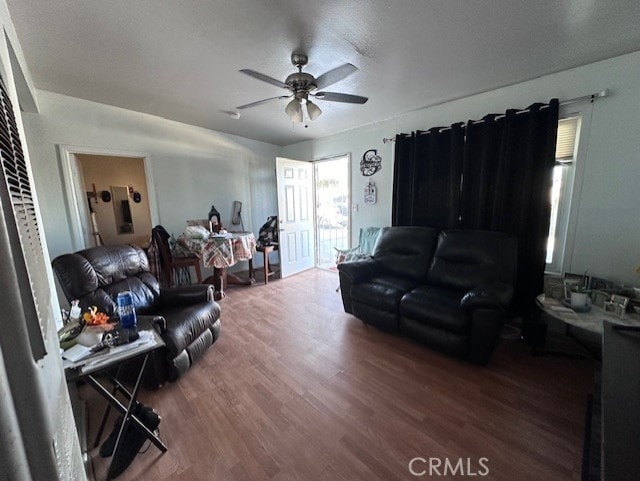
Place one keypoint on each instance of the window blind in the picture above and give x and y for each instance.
(565, 145)
(18, 185)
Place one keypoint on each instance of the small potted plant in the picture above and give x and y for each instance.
(579, 296)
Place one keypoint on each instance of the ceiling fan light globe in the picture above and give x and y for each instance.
(313, 110)
(294, 110)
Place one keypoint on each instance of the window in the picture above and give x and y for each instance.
(563, 176)
(16, 192)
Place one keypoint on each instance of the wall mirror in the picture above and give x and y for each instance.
(122, 209)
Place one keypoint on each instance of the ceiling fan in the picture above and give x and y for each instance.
(302, 85)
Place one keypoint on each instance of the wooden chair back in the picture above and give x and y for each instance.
(170, 263)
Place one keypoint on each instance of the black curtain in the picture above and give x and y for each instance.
(507, 175)
(427, 174)
(493, 174)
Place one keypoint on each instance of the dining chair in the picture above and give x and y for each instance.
(170, 263)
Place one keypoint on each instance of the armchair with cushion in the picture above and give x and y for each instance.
(95, 276)
(448, 289)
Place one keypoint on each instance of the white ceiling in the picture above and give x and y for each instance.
(180, 59)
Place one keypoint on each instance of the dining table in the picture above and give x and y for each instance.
(220, 251)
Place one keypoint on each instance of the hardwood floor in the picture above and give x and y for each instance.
(295, 389)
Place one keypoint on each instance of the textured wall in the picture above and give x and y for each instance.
(191, 168)
(604, 224)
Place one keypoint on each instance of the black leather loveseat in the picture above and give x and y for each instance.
(448, 289)
(191, 323)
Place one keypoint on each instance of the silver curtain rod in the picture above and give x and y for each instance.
(591, 98)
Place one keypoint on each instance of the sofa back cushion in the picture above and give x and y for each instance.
(464, 259)
(95, 276)
(406, 251)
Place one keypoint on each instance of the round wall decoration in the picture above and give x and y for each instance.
(105, 195)
(371, 163)
(137, 197)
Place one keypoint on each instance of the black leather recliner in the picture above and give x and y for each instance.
(95, 276)
(448, 289)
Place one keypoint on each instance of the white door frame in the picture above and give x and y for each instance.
(351, 202)
(76, 221)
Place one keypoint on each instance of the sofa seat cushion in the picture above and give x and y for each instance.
(442, 340)
(382, 292)
(438, 307)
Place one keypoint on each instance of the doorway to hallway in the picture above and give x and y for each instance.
(333, 212)
(80, 192)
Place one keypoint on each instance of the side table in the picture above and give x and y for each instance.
(266, 250)
(592, 320)
(114, 358)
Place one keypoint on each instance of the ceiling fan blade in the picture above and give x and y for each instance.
(231, 113)
(335, 75)
(260, 102)
(338, 97)
(264, 78)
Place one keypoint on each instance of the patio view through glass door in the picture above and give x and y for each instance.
(333, 203)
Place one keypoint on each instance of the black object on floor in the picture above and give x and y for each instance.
(534, 332)
(106, 449)
(132, 439)
(587, 444)
(147, 416)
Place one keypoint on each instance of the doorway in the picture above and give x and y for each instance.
(333, 213)
(75, 191)
(117, 199)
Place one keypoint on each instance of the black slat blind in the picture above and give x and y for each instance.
(18, 183)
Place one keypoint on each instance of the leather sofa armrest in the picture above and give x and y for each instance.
(186, 295)
(485, 333)
(360, 270)
(487, 296)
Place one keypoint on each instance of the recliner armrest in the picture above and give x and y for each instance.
(360, 270)
(186, 295)
(491, 295)
(158, 323)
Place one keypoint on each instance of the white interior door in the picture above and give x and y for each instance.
(295, 215)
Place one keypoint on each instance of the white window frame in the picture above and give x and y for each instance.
(568, 208)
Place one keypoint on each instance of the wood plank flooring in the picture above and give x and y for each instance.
(295, 389)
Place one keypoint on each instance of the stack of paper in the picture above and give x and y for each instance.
(76, 353)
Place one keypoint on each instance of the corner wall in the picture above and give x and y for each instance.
(606, 236)
(191, 167)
